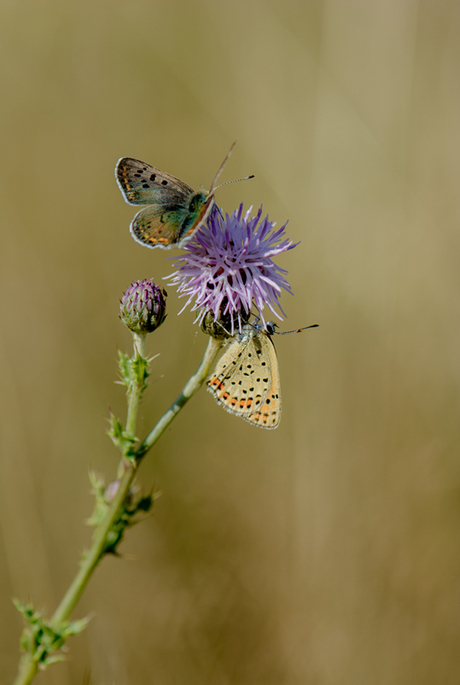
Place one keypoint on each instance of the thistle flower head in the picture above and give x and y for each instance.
(143, 306)
(227, 268)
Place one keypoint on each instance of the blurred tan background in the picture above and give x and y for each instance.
(326, 552)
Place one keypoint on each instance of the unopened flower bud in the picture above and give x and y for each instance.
(143, 306)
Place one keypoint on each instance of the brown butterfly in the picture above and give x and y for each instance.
(174, 212)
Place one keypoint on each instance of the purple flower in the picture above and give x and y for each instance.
(227, 267)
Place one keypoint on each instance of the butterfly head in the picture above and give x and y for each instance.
(199, 200)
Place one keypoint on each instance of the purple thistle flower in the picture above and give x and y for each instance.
(227, 267)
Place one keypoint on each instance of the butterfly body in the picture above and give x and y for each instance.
(246, 381)
(174, 211)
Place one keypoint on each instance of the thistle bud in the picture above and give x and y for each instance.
(143, 306)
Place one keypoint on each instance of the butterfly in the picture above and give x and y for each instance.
(174, 212)
(246, 381)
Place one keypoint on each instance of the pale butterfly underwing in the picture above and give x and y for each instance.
(246, 380)
(174, 212)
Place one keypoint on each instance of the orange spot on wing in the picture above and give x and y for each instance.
(216, 383)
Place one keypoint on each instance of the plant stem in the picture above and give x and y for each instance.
(128, 470)
(190, 388)
(27, 671)
(96, 551)
(135, 391)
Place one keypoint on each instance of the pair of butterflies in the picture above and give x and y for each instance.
(246, 381)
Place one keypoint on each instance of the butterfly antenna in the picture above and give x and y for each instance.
(245, 178)
(297, 330)
(221, 168)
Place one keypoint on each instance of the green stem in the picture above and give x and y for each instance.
(96, 551)
(128, 469)
(191, 387)
(27, 670)
(29, 666)
(135, 391)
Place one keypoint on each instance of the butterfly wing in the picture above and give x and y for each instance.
(268, 415)
(143, 184)
(156, 227)
(231, 384)
(246, 380)
(170, 226)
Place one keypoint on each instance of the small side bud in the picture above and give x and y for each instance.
(143, 306)
(111, 491)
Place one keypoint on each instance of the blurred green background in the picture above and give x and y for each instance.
(326, 552)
